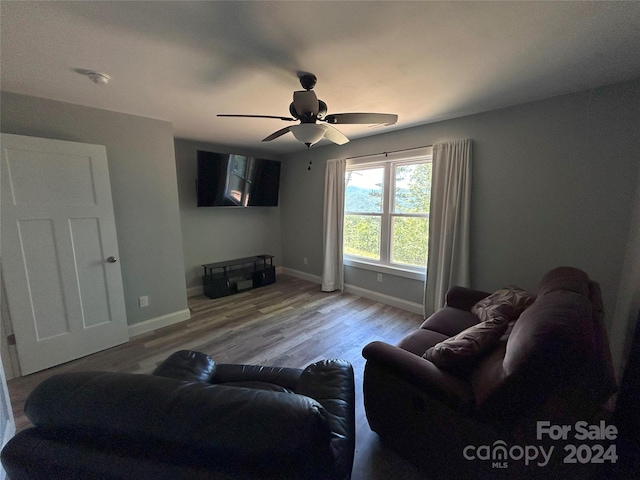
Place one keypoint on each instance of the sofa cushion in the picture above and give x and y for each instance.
(420, 340)
(463, 351)
(271, 387)
(507, 302)
(449, 321)
(283, 376)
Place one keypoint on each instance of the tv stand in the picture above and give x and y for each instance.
(234, 276)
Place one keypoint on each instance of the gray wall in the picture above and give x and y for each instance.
(553, 184)
(143, 182)
(214, 234)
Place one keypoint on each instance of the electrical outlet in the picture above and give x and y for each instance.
(380, 277)
(143, 301)
(305, 260)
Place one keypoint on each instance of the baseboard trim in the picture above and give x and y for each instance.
(386, 299)
(363, 292)
(195, 291)
(159, 322)
(302, 275)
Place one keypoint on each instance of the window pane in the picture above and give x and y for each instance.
(413, 188)
(409, 241)
(364, 190)
(362, 236)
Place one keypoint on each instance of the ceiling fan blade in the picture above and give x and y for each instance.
(288, 119)
(306, 103)
(335, 135)
(367, 118)
(277, 134)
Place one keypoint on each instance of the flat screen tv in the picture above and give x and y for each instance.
(230, 180)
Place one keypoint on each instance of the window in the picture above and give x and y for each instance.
(386, 221)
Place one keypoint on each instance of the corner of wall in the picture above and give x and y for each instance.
(628, 300)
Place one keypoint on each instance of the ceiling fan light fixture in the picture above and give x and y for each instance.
(308, 133)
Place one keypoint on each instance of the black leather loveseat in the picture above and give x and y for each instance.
(191, 419)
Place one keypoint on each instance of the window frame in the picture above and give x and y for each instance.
(389, 162)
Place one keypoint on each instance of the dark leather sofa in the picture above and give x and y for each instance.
(190, 419)
(552, 364)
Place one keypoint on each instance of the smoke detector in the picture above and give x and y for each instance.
(99, 78)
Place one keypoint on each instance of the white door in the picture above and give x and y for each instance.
(7, 422)
(59, 251)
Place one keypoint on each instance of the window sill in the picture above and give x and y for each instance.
(389, 270)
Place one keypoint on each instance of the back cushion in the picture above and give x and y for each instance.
(554, 332)
(564, 278)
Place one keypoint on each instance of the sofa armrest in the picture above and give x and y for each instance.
(331, 383)
(422, 374)
(464, 298)
(328, 379)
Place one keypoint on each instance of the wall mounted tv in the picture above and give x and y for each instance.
(229, 180)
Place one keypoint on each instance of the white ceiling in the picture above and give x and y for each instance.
(185, 62)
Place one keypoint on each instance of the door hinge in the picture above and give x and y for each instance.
(11, 339)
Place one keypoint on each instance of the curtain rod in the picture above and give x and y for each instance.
(387, 153)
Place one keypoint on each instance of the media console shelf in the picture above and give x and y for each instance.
(233, 276)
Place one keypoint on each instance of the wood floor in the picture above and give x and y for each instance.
(290, 323)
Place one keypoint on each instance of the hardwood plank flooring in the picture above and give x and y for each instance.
(290, 323)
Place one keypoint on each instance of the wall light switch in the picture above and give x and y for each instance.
(305, 260)
(143, 301)
(380, 277)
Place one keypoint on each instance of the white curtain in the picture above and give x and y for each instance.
(333, 220)
(449, 221)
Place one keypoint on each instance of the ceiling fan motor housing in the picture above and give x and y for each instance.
(306, 107)
(309, 117)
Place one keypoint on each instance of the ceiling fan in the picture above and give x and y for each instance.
(309, 111)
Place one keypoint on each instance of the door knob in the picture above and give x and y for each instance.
(112, 259)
